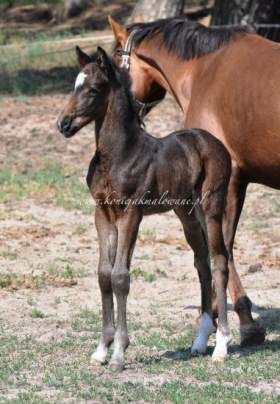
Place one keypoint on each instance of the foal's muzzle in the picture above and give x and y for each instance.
(64, 125)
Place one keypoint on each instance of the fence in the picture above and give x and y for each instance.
(44, 67)
(270, 31)
(49, 67)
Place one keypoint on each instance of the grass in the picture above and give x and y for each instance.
(86, 320)
(140, 273)
(66, 271)
(148, 234)
(36, 313)
(55, 275)
(34, 368)
(45, 65)
(34, 68)
(50, 184)
(14, 281)
(149, 277)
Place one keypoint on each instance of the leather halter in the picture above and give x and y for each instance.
(125, 63)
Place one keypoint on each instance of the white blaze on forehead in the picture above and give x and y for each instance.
(80, 80)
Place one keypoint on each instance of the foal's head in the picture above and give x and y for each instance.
(89, 100)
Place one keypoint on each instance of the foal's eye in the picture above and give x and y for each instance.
(93, 92)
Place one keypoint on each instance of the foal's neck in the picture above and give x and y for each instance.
(119, 127)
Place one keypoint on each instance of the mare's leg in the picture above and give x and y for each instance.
(127, 226)
(196, 239)
(251, 332)
(107, 236)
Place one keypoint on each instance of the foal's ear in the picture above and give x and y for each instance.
(119, 31)
(82, 57)
(104, 62)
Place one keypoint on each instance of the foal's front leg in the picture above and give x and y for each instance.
(128, 226)
(107, 236)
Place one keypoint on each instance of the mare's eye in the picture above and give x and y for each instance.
(118, 52)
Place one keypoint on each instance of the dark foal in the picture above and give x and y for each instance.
(131, 166)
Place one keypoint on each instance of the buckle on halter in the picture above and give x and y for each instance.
(125, 60)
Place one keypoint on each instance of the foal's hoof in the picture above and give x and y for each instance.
(198, 348)
(221, 349)
(253, 334)
(116, 367)
(97, 359)
(218, 359)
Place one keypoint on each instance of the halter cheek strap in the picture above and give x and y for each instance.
(125, 53)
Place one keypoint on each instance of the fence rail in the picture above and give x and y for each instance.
(270, 31)
(49, 66)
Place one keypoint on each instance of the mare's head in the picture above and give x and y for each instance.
(89, 99)
(147, 91)
(144, 48)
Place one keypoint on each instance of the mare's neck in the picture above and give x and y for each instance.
(118, 129)
(174, 75)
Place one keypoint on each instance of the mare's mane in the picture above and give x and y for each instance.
(187, 39)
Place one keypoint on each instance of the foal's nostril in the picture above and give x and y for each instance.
(65, 124)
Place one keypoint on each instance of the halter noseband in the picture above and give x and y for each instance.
(125, 63)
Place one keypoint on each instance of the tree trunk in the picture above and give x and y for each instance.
(252, 12)
(75, 7)
(233, 12)
(150, 10)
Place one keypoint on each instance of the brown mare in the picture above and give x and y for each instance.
(226, 81)
(131, 166)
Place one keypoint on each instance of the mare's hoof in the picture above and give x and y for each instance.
(252, 335)
(116, 367)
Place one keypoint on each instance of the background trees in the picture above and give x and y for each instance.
(149, 10)
(249, 12)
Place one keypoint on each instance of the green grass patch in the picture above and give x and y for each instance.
(15, 281)
(49, 184)
(8, 254)
(148, 234)
(63, 366)
(59, 273)
(180, 392)
(140, 273)
(66, 271)
(149, 277)
(36, 313)
(86, 320)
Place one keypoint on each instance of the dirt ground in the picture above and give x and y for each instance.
(48, 263)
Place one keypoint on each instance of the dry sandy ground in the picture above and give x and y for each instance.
(35, 234)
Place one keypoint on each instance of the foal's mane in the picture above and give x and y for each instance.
(187, 39)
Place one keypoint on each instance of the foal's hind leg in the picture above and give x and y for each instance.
(196, 239)
(107, 235)
(212, 208)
